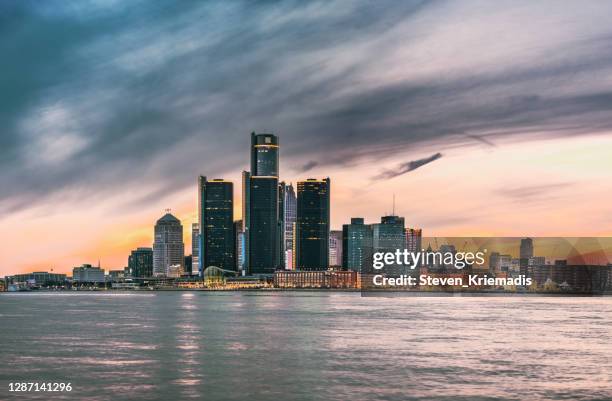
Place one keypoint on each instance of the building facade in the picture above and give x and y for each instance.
(195, 249)
(216, 236)
(38, 278)
(290, 209)
(414, 238)
(140, 262)
(335, 248)
(357, 246)
(88, 274)
(168, 246)
(261, 206)
(240, 251)
(388, 236)
(312, 225)
(525, 253)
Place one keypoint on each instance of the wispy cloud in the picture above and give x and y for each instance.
(309, 166)
(533, 193)
(407, 167)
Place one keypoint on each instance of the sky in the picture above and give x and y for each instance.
(482, 118)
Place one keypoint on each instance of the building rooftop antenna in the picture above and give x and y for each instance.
(393, 204)
(168, 210)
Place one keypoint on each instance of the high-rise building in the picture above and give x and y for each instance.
(312, 225)
(526, 252)
(168, 248)
(413, 239)
(357, 246)
(187, 266)
(388, 236)
(217, 241)
(335, 248)
(494, 265)
(261, 206)
(290, 209)
(140, 262)
(195, 249)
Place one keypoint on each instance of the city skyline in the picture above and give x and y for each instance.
(108, 126)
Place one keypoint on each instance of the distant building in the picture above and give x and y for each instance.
(195, 249)
(187, 265)
(413, 239)
(240, 245)
(335, 248)
(168, 248)
(312, 225)
(494, 266)
(88, 274)
(217, 238)
(316, 279)
(505, 263)
(526, 252)
(357, 246)
(175, 271)
(537, 261)
(290, 210)
(116, 275)
(37, 278)
(261, 206)
(140, 262)
(388, 236)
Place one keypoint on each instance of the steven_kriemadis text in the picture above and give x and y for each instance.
(404, 257)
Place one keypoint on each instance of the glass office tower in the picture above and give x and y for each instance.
(388, 236)
(261, 206)
(217, 238)
(357, 246)
(140, 262)
(312, 225)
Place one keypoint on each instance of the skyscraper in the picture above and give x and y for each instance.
(168, 248)
(388, 236)
(335, 248)
(526, 250)
(261, 206)
(217, 239)
(312, 225)
(140, 262)
(290, 210)
(195, 248)
(357, 246)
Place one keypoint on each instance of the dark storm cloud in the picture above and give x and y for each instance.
(407, 167)
(98, 97)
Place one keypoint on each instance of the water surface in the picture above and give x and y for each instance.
(306, 346)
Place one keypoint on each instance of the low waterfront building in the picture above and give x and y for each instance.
(575, 278)
(116, 275)
(315, 279)
(38, 278)
(88, 274)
